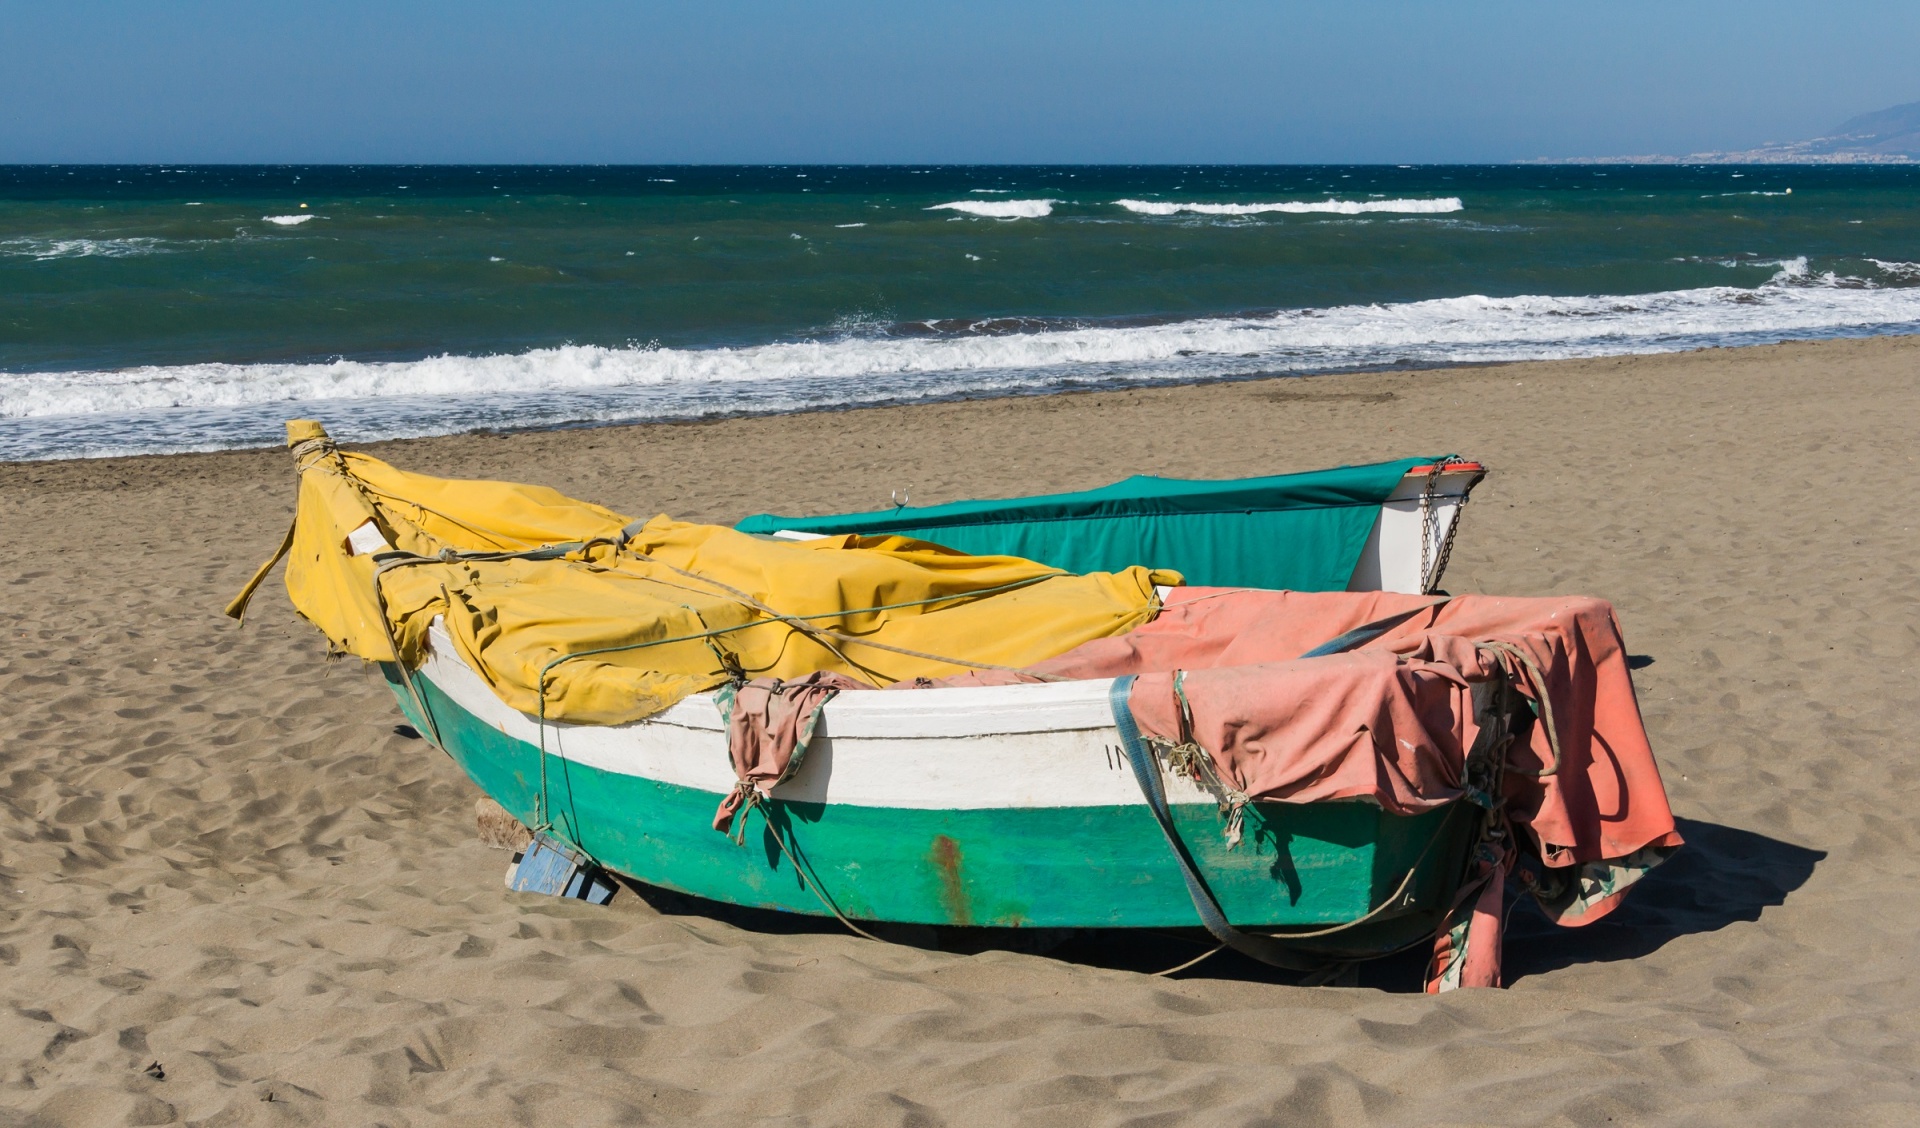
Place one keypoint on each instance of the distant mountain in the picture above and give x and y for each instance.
(1889, 136)
(1895, 132)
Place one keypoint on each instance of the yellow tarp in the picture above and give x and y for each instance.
(660, 596)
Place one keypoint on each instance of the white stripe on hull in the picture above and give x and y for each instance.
(1047, 745)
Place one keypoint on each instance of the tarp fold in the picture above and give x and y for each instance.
(615, 626)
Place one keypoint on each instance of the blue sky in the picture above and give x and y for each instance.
(988, 81)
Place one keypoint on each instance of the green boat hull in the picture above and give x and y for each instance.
(1305, 867)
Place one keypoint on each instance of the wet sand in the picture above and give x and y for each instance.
(217, 854)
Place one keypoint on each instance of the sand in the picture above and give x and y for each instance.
(217, 854)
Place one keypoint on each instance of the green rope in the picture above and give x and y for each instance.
(712, 632)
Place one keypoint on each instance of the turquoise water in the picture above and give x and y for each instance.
(148, 309)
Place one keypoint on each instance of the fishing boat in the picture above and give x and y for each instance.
(1011, 806)
(1035, 804)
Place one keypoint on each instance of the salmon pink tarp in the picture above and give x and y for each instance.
(1392, 720)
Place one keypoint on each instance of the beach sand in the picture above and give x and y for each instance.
(217, 854)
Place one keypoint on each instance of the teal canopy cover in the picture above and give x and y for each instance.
(1300, 532)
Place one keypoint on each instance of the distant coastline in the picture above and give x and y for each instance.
(1884, 137)
(1766, 155)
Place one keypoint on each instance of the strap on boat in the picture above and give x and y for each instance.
(1146, 772)
(1272, 950)
(1367, 632)
(237, 607)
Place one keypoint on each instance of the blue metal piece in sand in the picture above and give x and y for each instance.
(551, 867)
(592, 885)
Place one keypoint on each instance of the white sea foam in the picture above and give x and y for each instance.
(81, 248)
(1795, 270)
(207, 406)
(1000, 209)
(1435, 206)
(1897, 269)
(287, 220)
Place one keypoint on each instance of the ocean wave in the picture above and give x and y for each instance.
(82, 248)
(1897, 269)
(207, 406)
(1795, 271)
(1000, 209)
(287, 220)
(1435, 206)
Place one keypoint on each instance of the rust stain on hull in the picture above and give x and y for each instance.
(953, 890)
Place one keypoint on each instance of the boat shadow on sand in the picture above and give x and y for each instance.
(1723, 876)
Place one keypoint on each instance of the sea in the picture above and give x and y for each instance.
(159, 308)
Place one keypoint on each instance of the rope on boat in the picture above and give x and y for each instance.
(1206, 955)
(806, 878)
(1392, 900)
(1541, 700)
(1186, 757)
(827, 637)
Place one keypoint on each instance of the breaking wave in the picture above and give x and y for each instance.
(287, 220)
(81, 248)
(1000, 209)
(211, 406)
(1437, 206)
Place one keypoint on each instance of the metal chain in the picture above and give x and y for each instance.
(1446, 546)
(1430, 570)
(1428, 526)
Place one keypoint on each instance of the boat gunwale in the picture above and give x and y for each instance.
(968, 761)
